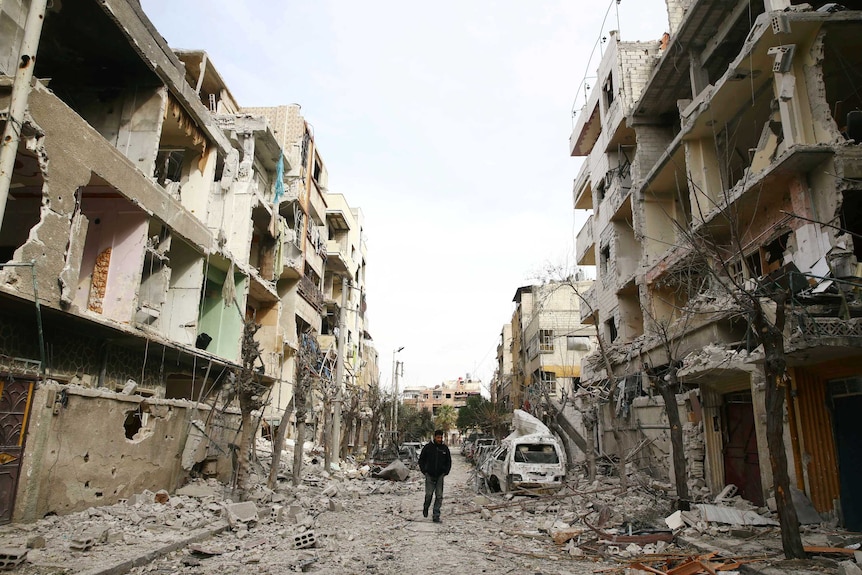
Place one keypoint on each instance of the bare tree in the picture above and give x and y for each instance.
(306, 377)
(278, 444)
(251, 392)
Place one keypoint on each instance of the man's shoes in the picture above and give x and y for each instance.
(436, 520)
(424, 511)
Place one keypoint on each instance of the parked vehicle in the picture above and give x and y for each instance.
(530, 458)
(483, 444)
(465, 443)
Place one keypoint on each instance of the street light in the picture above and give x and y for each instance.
(395, 390)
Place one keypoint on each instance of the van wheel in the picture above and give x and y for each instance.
(494, 484)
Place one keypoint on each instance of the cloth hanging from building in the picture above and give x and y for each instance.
(228, 290)
(279, 179)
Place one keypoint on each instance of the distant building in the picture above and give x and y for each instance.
(453, 393)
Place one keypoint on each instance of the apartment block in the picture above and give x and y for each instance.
(453, 393)
(726, 163)
(148, 218)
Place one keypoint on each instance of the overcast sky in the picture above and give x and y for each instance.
(447, 123)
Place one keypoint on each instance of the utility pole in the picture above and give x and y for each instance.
(339, 371)
(397, 364)
(20, 96)
(393, 410)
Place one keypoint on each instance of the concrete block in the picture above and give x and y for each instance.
(335, 506)
(304, 540)
(11, 557)
(674, 520)
(858, 556)
(241, 513)
(82, 543)
(36, 542)
(330, 491)
(849, 568)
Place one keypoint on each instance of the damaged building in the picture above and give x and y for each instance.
(539, 357)
(717, 164)
(148, 217)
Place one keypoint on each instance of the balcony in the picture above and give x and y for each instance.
(588, 127)
(588, 306)
(583, 190)
(585, 245)
(337, 259)
(316, 204)
(310, 293)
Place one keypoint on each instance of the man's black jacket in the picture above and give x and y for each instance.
(435, 460)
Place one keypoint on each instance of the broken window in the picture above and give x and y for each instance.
(169, 166)
(549, 381)
(611, 330)
(23, 208)
(842, 74)
(608, 91)
(600, 190)
(851, 220)
(604, 258)
(536, 453)
(546, 340)
(773, 252)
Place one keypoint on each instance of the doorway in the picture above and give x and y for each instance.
(15, 401)
(846, 400)
(741, 458)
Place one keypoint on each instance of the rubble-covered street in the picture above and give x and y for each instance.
(351, 522)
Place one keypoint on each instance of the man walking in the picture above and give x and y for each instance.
(435, 462)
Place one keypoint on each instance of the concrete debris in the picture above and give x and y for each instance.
(11, 557)
(304, 540)
(241, 514)
(805, 511)
(849, 568)
(395, 471)
(733, 516)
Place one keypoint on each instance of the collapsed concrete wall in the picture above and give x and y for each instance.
(133, 443)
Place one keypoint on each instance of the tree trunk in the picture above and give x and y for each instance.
(297, 450)
(590, 452)
(775, 373)
(278, 445)
(327, 436)
(244, 450)
(666, 389)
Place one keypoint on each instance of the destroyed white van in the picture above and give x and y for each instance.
(529, 459)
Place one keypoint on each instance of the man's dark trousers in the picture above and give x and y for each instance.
(434, 488)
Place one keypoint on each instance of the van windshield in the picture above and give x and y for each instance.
(536, 453)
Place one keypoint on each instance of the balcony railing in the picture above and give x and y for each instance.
(586, 244)
(311, 293)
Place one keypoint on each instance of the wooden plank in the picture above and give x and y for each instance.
(838, 550)
(647, 568)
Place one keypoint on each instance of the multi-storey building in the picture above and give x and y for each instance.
(718, 162)
(148, 218)
(453, 393)
(546, 361)
(501, 386)
(540, 354)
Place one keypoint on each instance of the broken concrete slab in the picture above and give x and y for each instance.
(733, 516)
(240, 514)
(805, 511)
(395, 471)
